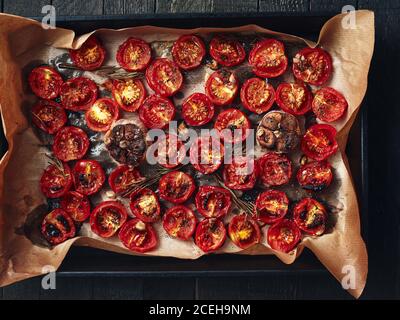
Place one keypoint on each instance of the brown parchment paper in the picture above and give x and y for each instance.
(23, 40)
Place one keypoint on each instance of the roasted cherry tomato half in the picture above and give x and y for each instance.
(176, 187)
(48, 116)
(164, 77)
(70, 143)
(241, 174)
(206, 154)
(56, 180)
(179, 222)
(170, 151)
(90, 56)
(197, 109)
(283, 236)
(210, 234)
(145, 206)
(313, 66)
(328, 104)
(268, 58)
(213, 202)
(257, 95)
(232, 125)
(134, 55)
(76, 205)
(123, 177)
(78, 94)
(315, 175)
(275, 169)
(107, 218)
(310, 216)
(244, 231)
(101, 115)
(88, 176)
(138, 236)
(156, 112)
(188, 52)
(45, 82)
(222, 87)
(227, 52)
(57, 226)
(294, 98)
(129, 94)
(319, 142)
(271, 206)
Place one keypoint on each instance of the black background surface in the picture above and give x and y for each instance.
(383, 157)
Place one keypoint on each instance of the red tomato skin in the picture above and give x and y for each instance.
(208, 104)
(115, 174)
(323, 114)
(175, 49)
(205, 191)
(225, 117)
(205, 168)
(78, 133)
(116, 206)
(306, 105)
(55, 124)
(119, 101)
(163, 192)
(46, 190)
(215, 100)
(203, 227)
(76, 176)
(328, 69)
(154, 83)
(74, 54)
(234, 185)
(103, 128)
(268, 180)
(136, 211)
(272, 72)
(330, 133)
(147, 105)
(128, 226)
(256, 233)
(226, 62)
(37, 89)
(279, 195)
(66, 218)
(84, 205)
(273, 232)
(300, 207)
(246, 103)
(77, 83)
(189, 215)
(310, 166)
(135, 42)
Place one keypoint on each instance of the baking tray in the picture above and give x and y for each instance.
(82, 261)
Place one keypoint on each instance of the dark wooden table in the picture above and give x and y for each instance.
(383, 153)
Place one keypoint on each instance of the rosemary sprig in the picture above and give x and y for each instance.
(56, 162)
(112, 72)
(247, 207)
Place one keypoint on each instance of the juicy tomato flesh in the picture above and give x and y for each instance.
(56, 180)
(312, 65)
(156, 112)
(197, 110)
(78, 94)
(179, 222)
(124, 177)
(188, 52)
(293, 98)
(240, 174)
(129, 94)
(48, 116)
(138, 236)
(206, 154)
(275, 169)
(108, 221)
(227, 52)
(170, 152)
(258, 96)
(232, 125)
(88, 176)
(176, 187)
(70, 143)
(213, 202)
(271, 206)
(319, 142)
(90, 55)
(315, 176)
(57, 227)
(310, 216)
(244, 231)
(100, 116)
(283, 236)
(329, 105)
(45, 82)
(134, 55)
(268, 56)
(76, 205)
(210, 235)
(164, 77)
(144, 204)
(222, 87)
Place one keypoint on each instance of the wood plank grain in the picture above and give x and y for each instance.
(331, 5)
(283, 5)
(117, 288)
(379, 4)
(234, 6)
(24, 8)
(78, 7)
(68, 288)
(24, 290)
(181, 6)
(277, 286)
(169, 288)
(128, 6)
